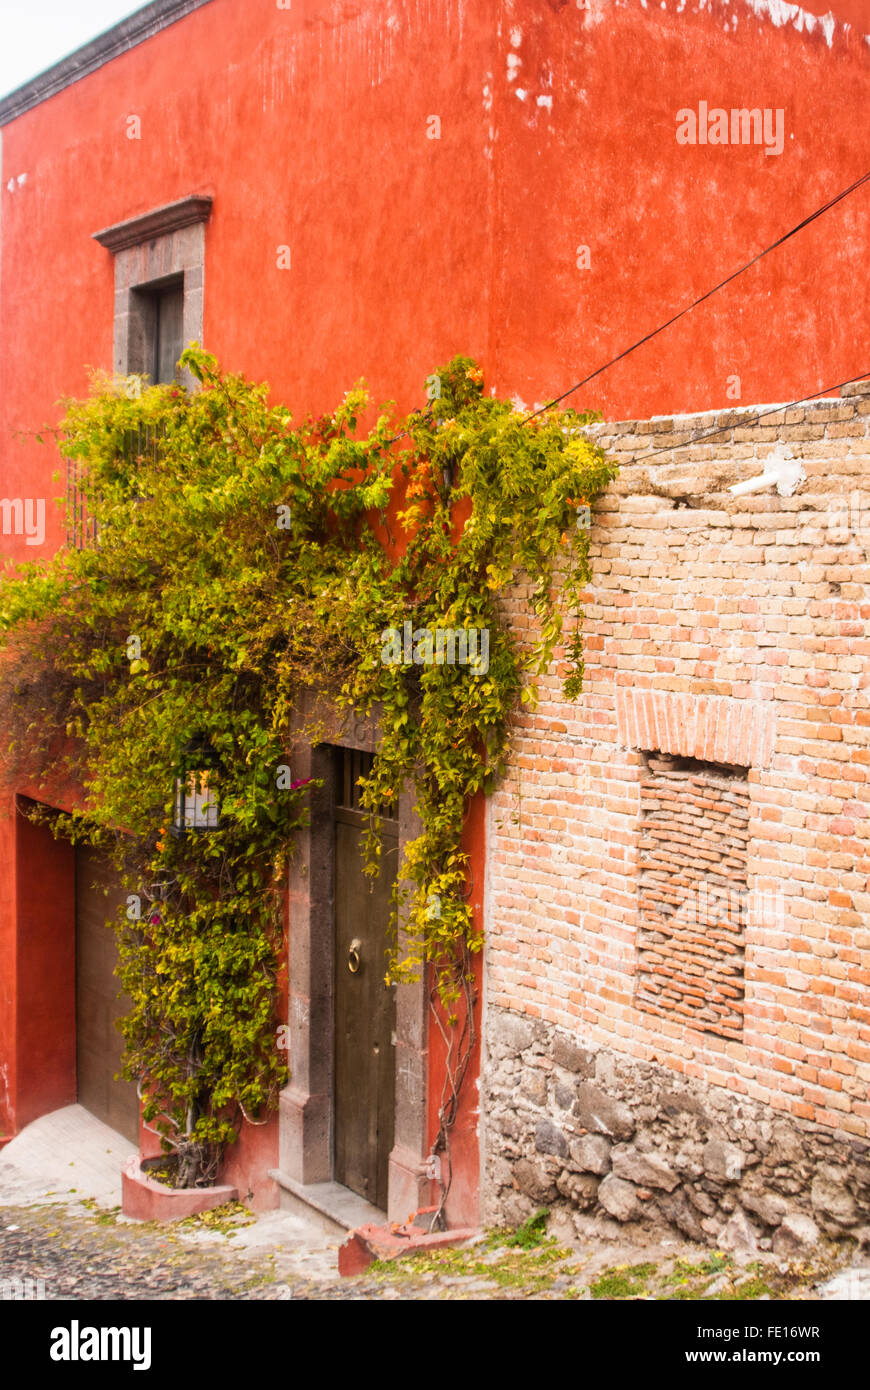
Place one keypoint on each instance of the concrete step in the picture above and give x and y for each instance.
(335, 1208)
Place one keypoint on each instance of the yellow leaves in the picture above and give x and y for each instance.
(497, 576)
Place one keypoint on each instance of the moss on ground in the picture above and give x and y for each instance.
(622, 1281)
(529, 1262)
(494, 1260)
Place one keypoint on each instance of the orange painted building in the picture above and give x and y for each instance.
(335, 190)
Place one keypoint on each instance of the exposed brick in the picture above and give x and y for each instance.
(739, 634)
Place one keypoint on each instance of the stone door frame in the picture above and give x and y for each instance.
(307, 1103)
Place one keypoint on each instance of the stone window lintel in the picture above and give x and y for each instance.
(159, 222)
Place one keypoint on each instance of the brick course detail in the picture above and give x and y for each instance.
(710, 727)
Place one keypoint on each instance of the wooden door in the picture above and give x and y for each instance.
(365, 1008)
(99, 1044)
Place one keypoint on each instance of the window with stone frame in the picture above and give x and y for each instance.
(159, 260)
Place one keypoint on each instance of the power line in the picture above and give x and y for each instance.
(819, 212)
(762, 415)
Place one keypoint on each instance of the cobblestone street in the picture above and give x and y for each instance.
(84, 1253)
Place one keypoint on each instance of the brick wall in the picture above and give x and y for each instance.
(732, 631)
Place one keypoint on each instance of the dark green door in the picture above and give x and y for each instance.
(99, 1044)
(365, 1008)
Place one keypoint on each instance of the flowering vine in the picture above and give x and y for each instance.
(243, 561)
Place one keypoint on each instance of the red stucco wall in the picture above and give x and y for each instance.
(46, 1005)
(854, 12)
(309, 126)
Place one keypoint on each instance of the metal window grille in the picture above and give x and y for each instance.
(81, 529)
(351, 764)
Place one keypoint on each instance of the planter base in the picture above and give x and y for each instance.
(145, 1199)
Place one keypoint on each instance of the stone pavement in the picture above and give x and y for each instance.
(78, 1253)
(86, 1253)
(60, 1224)
(69, 1164)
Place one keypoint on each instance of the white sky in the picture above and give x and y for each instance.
(34, 34)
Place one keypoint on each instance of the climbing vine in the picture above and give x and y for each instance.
(243, 562)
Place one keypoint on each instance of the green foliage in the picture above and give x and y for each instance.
(532, 1232)
(243, 562)
(622, 1281)
(527, 1262)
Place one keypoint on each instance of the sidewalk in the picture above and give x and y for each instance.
(67, 1155)
(70, 1159)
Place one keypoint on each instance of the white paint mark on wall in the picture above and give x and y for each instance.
(516, 37)
(513, 65)
(595, 12)
(521, 93)
(546, 101)
(781, 12)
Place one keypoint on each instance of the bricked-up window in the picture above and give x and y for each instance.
(693, 893)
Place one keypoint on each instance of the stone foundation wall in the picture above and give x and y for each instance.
(613, 1143)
